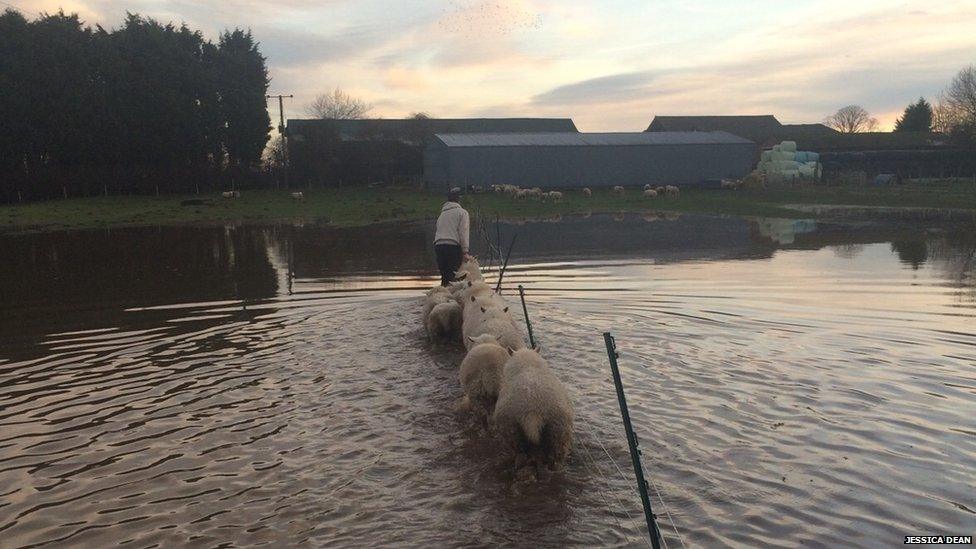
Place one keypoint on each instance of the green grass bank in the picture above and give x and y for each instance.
(361, 206)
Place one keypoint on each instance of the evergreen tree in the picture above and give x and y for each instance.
(242, 84)
(916, 118)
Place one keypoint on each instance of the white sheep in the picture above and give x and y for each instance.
(444, 321)
(473, 289)
(650, 193)
(533, 411)
(231, 194)
(432, 301)
(299, 196)
(555, 196)
(672, 190)
(660, 190)
(618, 190)
(587, 192)
(647, 187)
(470, 270)
(502, 329)
(477, 308)
(481, 372)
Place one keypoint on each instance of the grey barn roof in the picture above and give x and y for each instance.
(585, 139)
(357, 129)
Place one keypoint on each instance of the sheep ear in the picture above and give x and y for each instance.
(472, 299)
(469, 282)
(505, 309)
(483, 309)
(511, 351)
(471, 339)
(460, 275)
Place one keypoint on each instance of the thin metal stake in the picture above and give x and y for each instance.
(526, 313)
(501, 273)
(635, 452)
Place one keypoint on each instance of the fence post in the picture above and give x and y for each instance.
(635, 452)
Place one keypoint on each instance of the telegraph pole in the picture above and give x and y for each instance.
(281, 131)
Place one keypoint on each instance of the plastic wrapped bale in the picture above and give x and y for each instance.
(776, 148)
(783, 155)
(813, 157)
(788, 146)
(807, 171)
(801, 156)
(790, 175)
(766, 156)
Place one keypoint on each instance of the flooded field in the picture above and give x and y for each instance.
(792, 384)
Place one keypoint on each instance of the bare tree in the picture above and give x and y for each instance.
(274, 153)
(338, 105)
(852, 119)
(944, 116)
(960, 96)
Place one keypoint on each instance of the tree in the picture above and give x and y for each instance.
(242, 84)
(852, 119)
(961, 94)
(916, 118)
(338, 105)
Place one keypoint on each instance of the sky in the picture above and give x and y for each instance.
(611, 65)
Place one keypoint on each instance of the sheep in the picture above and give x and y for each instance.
(299, 196)
(618, 190)
(432, 301)
(477, 308)
(231, 194)
(660, 190)
(481, 372)
(438, 290)
(533, 411)
(672, 190)
(473, 289)
(555, 196)
(522, 194)
(498, 324)
(649, 193)
(587, 192)
(730, 184)
(477, 189)
(648, 187)
(444, 321)
(471, 269)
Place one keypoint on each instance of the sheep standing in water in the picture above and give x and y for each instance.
(444, 322)
(618, 190)
(587, 192)
(432, 300)
(500, 326)
(470, 270)
(533, 411)
(481, 372)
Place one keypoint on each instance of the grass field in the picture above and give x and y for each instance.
(361, 206)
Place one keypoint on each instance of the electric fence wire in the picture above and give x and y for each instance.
(603, 495)
(653, 485)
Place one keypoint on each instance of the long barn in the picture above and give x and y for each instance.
(557, 160)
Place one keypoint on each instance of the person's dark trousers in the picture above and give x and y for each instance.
(448, 261)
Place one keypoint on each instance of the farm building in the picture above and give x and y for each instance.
(344, 152)
(556, 160)
(764, 130)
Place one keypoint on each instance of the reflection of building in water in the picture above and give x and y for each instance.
(783, 231)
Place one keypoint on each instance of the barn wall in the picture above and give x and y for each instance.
(588, 166)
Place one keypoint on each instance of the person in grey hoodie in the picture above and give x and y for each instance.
(451, 237)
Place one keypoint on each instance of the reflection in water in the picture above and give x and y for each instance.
(271, 385)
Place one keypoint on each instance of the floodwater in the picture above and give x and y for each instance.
(792, 383)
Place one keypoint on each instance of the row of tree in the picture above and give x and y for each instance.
(953, 115)
(146, 106)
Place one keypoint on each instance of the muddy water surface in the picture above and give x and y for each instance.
(238, 386)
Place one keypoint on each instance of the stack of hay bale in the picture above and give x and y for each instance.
(785, 164)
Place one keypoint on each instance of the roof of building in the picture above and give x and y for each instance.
(585, 139)
(411, 128)
(753, 127)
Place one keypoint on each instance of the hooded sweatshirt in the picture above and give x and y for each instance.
(452, 226)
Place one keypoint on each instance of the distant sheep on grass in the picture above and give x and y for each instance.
(650, 193)
(587, 192)
(671, 190)
(617, 190)
(533, 412)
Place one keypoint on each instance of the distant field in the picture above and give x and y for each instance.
(361, 206)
